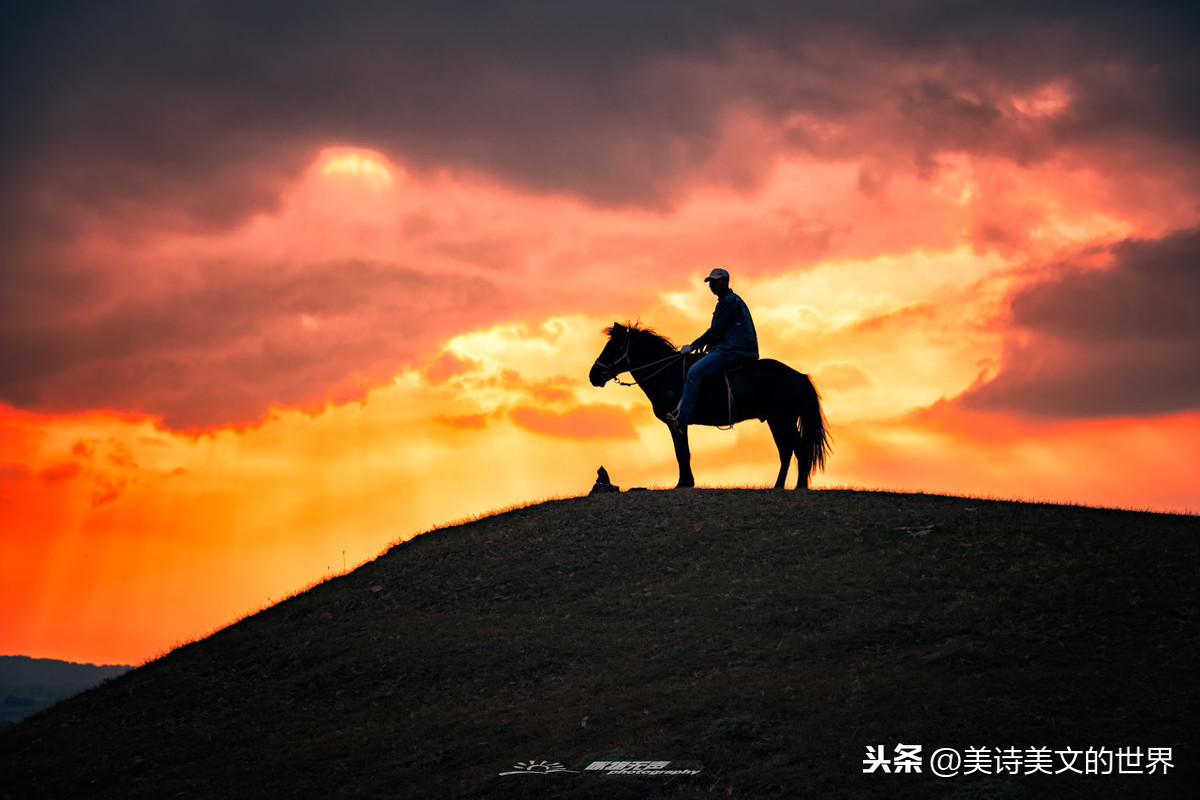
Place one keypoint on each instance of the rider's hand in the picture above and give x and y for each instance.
(687, 348)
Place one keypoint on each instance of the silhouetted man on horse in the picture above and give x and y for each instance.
(729, 341)
(763, 389)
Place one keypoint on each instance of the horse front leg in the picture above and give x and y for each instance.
(683, 455)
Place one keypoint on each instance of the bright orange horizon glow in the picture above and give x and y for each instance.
(123, 538)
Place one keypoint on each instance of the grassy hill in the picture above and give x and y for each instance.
(767, 638)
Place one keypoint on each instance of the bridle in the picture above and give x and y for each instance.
(612, 367)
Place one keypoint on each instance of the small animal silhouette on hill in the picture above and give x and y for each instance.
(603, 484)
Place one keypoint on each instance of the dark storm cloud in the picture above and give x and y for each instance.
(121, 119)
(136, 103)
(209, 106)
(1106, 342)
(244, 341)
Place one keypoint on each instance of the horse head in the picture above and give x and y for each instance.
(614, 358)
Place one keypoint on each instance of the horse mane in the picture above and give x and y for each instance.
(644, 334)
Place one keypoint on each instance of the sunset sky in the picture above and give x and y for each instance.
(283, 283)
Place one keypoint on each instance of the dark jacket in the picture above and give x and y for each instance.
(732, 329)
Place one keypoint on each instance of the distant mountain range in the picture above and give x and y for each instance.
(27, 685)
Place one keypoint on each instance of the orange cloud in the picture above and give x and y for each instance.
(470, 422)
(60, 473)
(1119, 340)
(584, 422)
(446, 366)
(341, 288)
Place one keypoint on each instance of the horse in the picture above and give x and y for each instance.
(762, 389)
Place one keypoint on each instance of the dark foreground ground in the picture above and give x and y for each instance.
(767, 639)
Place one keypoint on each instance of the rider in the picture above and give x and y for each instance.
(730, 340)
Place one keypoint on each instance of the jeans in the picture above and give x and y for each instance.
(709, 364)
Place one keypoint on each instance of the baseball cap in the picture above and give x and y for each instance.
(716, 275)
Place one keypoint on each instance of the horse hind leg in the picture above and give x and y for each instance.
(802, 466)
(784, 434)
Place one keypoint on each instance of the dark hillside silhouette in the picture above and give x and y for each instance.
(766, 638)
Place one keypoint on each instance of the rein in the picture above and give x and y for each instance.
(636, 380)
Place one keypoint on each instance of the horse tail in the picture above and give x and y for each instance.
(811, 426)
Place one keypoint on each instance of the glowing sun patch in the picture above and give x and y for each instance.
(370, 168)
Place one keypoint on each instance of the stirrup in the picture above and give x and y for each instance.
(673, 422)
